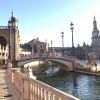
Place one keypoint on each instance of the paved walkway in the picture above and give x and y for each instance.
(7, 90)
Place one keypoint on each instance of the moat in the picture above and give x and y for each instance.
(83, 86)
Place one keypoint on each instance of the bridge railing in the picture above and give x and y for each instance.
(32, 89)
(45, 55)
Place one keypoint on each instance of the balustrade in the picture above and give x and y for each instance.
(32, 89)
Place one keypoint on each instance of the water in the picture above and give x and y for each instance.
(83, 86)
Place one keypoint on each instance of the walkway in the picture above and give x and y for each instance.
(7, 90)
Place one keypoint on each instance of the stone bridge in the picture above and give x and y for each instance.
(65, 63)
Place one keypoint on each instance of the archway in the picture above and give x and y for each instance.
(3, 50)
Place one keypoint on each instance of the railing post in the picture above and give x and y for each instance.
(26, 89)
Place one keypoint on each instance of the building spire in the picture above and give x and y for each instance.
(12, 13)
(95, 31)
(94, 20)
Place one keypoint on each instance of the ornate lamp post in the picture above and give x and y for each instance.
(62, 35)
(51, 46)
(48, 47)
(72, 27)
(74, 75)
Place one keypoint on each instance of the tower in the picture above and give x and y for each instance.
(9, 41)
(14, 38)
(96, 38)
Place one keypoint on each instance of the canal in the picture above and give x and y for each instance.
(83, 86)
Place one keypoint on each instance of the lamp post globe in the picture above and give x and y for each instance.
(71, 26)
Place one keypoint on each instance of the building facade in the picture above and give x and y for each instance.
(80, 52)
(96, 39)
(35, 46)
(9, 40)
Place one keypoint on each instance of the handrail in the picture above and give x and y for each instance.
(32, 89)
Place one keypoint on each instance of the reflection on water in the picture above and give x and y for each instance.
(85, 87)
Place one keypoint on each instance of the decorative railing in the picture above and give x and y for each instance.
(32, 89)
(45, 56)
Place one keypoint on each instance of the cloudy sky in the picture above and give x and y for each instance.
(46, 19)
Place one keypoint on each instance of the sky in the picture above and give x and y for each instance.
(46, 19)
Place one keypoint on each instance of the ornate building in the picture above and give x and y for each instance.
(80, 52)
(38, 46)
(9, 40)
(96, 39)
(35, 46)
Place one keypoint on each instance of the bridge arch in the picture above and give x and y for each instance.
(3, 42)
(65, 64)
(26, 61)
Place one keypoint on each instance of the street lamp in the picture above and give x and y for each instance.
(72, 27)
(74, 75)
(48, 47)
(51, 45)
(62, 35)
